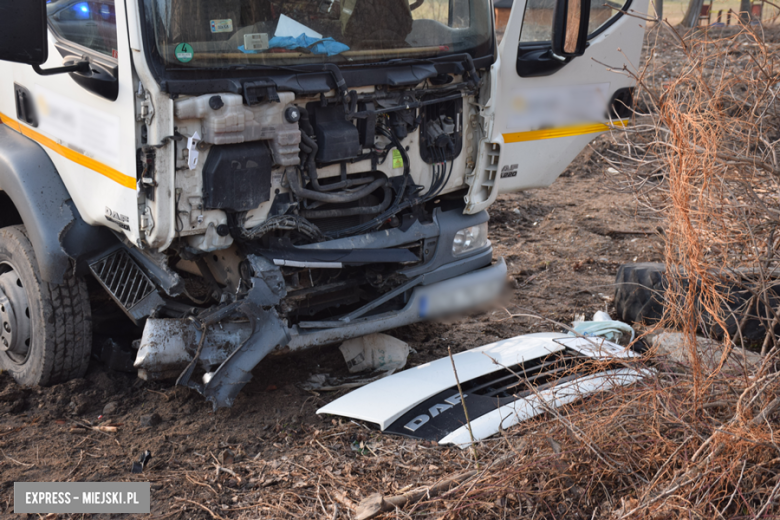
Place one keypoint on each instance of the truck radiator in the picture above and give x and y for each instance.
(127, 284)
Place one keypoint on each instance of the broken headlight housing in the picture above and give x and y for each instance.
(470, 238)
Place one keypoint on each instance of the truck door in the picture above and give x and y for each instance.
(84, 120)
(543, 109)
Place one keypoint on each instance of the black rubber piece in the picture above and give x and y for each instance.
(639, 292)
(61, 318)
(641, 296)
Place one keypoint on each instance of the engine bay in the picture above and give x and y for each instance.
(273, 181)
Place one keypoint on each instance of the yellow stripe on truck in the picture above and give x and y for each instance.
(73, 155)
(564, 131)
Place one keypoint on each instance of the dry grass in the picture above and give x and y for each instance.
(696, 440)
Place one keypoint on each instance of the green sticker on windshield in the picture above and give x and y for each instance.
(398, 161)
(184, 52)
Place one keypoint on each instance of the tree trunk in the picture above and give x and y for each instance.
(744, 11)
(691, 18)
(659, 9)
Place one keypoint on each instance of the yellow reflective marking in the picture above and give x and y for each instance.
(88, 162)
(564, 131)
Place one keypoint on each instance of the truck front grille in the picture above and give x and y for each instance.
(127, 284)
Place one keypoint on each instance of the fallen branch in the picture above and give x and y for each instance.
(376, 503)
(214, 515)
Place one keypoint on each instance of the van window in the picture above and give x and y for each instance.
(91, 23)
(538, 18)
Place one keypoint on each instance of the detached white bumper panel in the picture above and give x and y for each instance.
(503, 383)
(522, 409)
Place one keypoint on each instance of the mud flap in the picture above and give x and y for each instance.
(222, 386)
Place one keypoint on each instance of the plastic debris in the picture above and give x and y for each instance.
(375, 351)
(328, 383)
(153, 419)
(227, 457)
(143, 460)
(603, 326)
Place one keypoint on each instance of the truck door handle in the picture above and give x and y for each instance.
(538, 61)
(25, 110)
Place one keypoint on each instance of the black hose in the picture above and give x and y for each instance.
(345, 184)
(397, 206)
(348, 212)
(281, 223)
(309, 146)
(305, 123)
(332, 198)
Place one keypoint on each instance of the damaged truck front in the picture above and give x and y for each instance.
(242, 176)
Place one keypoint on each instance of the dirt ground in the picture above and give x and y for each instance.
(270, 455)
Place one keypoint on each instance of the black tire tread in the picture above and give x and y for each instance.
(67, 332)
(73, 329)
(639, 292)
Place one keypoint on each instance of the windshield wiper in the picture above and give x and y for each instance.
(465, 59)
(251, 88)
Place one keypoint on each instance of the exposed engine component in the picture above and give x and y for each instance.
(442, 138)
(237, 177)
(298, 261)
(233, 122)
(281, 223)
(348, 196)
(337, 138)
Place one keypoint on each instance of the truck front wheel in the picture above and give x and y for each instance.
(45, 329)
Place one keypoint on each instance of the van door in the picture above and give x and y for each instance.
(544, 110)
(84, 120)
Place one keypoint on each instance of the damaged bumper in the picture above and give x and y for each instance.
(230, 349)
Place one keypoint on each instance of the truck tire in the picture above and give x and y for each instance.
(641, 296)
(639, 292)
(45, 329)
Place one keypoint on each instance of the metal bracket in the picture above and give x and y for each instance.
(145, 107)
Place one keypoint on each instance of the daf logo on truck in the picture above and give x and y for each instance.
(233, 197)
(117, 218)
(433, 411)
(509, 171)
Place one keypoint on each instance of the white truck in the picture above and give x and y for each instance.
(248, 175)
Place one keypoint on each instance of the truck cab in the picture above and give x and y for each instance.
(249, 176)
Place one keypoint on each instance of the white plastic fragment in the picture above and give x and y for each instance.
(603, 326)
(374, 352)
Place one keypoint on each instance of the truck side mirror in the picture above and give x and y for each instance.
(23, 36)
(570, 28)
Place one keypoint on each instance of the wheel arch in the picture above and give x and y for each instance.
(32, 193)
(9, 215)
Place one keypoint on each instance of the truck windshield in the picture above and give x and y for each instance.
(231, 33)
